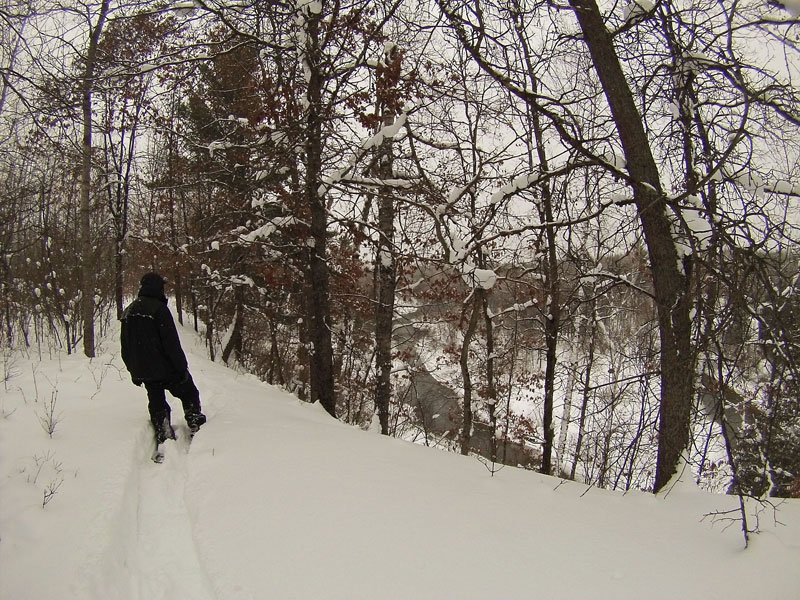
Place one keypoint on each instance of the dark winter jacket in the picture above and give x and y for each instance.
(151, 349)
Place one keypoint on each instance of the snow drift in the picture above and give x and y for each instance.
(274, 499)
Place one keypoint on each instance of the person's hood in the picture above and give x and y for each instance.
(152, 286)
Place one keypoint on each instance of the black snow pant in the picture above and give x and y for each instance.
(186, 392)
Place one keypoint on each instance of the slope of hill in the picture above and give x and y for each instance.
(274, 499)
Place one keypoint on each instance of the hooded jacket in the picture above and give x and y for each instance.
(151, 349)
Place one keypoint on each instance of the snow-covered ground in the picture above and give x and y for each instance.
(274, 499)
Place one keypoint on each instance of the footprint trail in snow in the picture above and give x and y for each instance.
(168, 566)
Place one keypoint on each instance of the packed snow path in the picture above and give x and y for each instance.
(164, 548)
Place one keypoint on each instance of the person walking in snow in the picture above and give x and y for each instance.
(152, 353)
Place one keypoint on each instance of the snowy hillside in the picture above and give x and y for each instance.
(274, 499)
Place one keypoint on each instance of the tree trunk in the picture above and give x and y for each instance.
(87, 251)
(566, 416)
(177, 288)
(385, 259)
(118, 201)
(384, 314)
(119, 288)
(275, 369)
(669, 280)
(587, 378)
(552, 309)
(193, 299)
(466, 431)
(322, 380)
(234, 345)
(552, 320)
(491, 386)
(210, 312)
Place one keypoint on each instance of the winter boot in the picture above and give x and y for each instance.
(195, 421)
(165, 432)
(158, 454)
